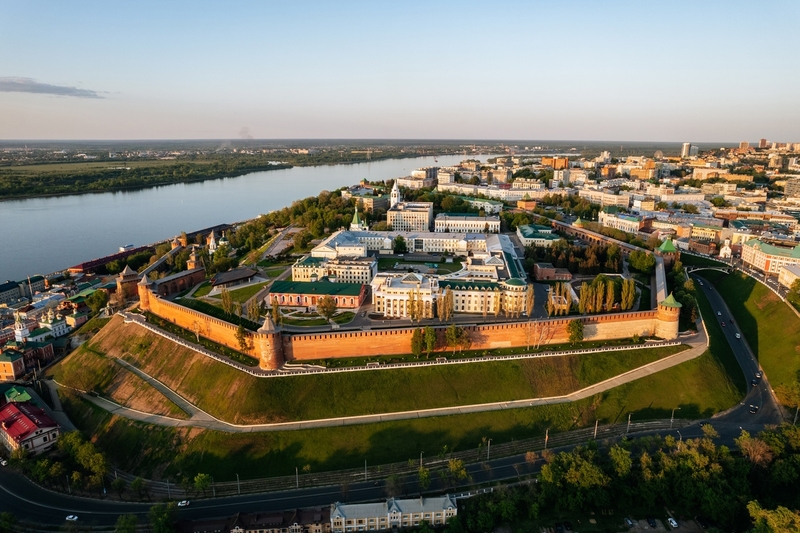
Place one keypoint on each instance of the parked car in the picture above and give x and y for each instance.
(3, 462)
(672, 523)
(72, 518)
(651, 522)
(183, 503)
(628, 522)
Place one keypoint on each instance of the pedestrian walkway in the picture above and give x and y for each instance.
(200, 419)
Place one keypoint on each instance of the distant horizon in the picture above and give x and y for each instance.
(511, 69)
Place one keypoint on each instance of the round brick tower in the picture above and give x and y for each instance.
(144, 287)
(667, 318)
(269, 345)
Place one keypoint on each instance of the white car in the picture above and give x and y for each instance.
(738, 336)
(3, 462)
(719, 313)
(183, 503)
(672, 523)
(72, 518)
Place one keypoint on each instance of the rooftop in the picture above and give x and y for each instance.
(325, 288)
(20, 420)
(771, 249)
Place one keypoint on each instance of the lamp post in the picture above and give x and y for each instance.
(595, 429)
(213, 488)
(672, 416)
(627, 429)
(297, 477)
(488, 448)
(238, 486)
(420, 459)
(681, 436)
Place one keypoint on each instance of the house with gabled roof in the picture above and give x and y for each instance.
(24, 425)
(392, 514)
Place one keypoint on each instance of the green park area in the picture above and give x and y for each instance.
(442, 267)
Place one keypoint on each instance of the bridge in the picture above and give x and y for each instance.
(720, 268)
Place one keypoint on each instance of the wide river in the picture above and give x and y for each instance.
(45, 235)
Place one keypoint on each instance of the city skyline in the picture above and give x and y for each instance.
(575, 71)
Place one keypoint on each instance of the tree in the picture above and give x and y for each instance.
(779, 520)
(119, 485)
(399, 245)
(276, 312)
(202, 482)
(253, 310)
(417, 342)
(642, 261)
(424, 478)
(411, 306)
(327, 307)
(430, 340)
(575, 330)
(453, 336)
(162, 517)
(137, 486)
(126, 523)
(242, 339)
(197, 328)
(97, 300)
(529, 300)
(227, 300)
(8, 522)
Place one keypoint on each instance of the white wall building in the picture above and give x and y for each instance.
(466, 224)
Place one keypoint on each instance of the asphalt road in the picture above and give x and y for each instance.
(759, 395)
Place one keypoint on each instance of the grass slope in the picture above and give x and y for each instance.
(772, 329)
(237, 397)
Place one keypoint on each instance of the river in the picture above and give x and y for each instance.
(45, 235)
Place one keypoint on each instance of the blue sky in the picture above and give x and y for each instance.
(644, 70)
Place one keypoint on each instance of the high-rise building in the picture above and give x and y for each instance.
(792, 188)
(762, 143)
(693, 150)
(685, 149)
(744, 145)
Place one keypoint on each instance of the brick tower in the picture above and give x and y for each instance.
(667, 318)
(270, 346)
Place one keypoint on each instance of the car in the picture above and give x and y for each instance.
(738, 336)
(719, 313)
(183, 503)
(672, 523)
(723, 324)
(3, 462)
(759, 374)
(700, 282)
(753, 409)
(754, 382)
(651, 522)
(628, 522)
(72, 518)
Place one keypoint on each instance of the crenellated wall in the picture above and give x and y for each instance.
(272, 347)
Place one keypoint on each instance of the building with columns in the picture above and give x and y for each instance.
(408, 216)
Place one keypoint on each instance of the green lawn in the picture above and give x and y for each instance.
(202, 290)
(242, 295)
(772, 329)
(388, 263)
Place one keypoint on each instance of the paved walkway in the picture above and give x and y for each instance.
(201, 419)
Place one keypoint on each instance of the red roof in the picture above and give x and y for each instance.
(21, 420)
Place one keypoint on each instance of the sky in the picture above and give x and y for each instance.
(697, 71)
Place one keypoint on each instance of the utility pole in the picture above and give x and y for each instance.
(297, 477)
(488, 449)
(546, 436)
(213, 488)
(238, 486)
(629, 424)
(595, 429)
(672, 416)
(420, 459)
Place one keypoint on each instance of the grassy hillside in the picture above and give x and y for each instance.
(237, 397)
(772, 329)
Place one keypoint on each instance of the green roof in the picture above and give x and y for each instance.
(356, 220)
(18, 394)
(9, 356)
(774, 250)
(515, 281)
(670, 301)
(40, 331)
(667, 247)
(316, 287)
(470, 199)
(512, 266)
(308, 261)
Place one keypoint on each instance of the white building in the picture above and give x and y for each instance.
(527, 184)
(788, 274)
(24, 425)
(392, 514)
(770, 258)
(339, 269)
(408, 216)
(605, 198)
(445, 223)
(360, 243)
(622, 222)
(412, 182)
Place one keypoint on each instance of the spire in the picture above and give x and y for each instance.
(356, 220)
(269, 326)
(145, 282)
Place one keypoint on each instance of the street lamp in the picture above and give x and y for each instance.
(488, 449)
(672, 416)
(627, 429)
(679, 435)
